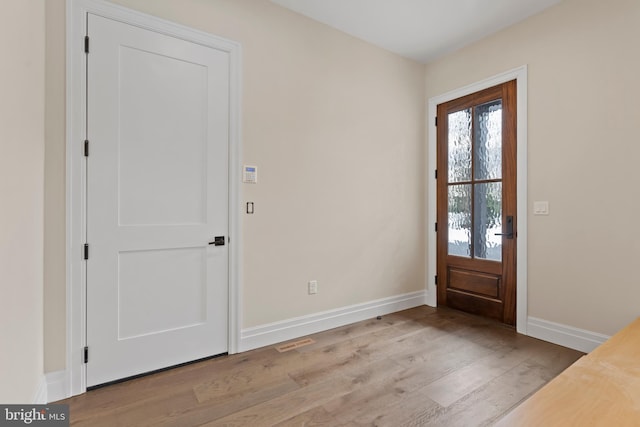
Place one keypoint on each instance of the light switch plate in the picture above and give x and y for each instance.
(541, 208)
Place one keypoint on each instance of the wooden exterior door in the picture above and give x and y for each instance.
(477, 223)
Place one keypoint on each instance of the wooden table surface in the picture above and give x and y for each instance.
(600, 389)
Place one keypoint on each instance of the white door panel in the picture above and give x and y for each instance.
(175, 279)
(157, 120)
(158, 130)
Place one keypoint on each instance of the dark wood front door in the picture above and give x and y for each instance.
(477, 223)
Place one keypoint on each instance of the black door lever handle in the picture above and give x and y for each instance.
(218, 241)
(509, 228)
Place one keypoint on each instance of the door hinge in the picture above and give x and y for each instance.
(85, 355)
(86, 251)
(86, 44)
(435, 280)
(86, 148)
(436, 120)
(436, 173)
(436, 227)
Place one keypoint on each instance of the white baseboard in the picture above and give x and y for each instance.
(272, 333)
(40, 396)
(56, 386)
(567, 336)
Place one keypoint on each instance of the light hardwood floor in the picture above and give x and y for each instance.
(418, 367)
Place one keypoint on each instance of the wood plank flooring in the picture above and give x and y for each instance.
(419, 367)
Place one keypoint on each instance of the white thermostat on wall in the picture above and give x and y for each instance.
(250, 174)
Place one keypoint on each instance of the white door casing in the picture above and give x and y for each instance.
(150, 206)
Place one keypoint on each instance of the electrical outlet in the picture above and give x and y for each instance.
(313, 287)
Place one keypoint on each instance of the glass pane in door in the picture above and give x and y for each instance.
(460, 220)
(487, 221)
(487, 144)
(459, 146)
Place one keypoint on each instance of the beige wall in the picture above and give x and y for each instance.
(336, 128)
(21, 192)
(54, 189)
(583, 153)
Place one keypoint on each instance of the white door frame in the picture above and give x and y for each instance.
(520, 75)
(76, 200)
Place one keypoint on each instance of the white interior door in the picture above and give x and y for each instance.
(157, 191)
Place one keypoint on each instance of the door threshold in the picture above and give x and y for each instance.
(157, 371)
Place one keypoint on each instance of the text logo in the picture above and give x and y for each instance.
(34, 415)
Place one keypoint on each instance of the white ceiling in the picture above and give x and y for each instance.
(419, 29)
